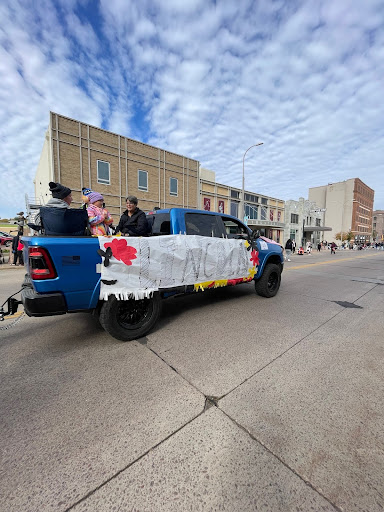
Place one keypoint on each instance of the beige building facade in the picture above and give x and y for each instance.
(79, 155)
(378, 225)
(348, 207)
(261, 212)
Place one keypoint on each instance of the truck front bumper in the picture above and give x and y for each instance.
(48, 304)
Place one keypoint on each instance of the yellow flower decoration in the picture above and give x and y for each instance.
(252, 272)
(247, 244)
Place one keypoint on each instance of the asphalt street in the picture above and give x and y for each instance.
(233, 402)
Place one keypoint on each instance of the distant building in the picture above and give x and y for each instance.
(348, 207)
(304, 222)
(261, 212)
(378, 225)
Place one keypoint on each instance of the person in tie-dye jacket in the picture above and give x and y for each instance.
(99, 217)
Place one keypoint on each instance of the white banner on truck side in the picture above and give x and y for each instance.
(139, 266)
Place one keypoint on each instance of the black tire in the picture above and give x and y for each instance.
(269, 283)
(128, 320)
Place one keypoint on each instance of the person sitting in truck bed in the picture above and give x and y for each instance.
(61, 198)
(99, 217)
(133, 222)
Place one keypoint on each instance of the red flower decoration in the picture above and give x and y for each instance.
(121, 251)
(255, 258)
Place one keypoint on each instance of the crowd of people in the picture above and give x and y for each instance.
(290, 247)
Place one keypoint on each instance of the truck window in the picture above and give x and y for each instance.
(161, 224)
(203, 225)
(233, 227)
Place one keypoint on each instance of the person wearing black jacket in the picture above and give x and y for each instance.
(17, 252)
(288, 249)
(133, 222)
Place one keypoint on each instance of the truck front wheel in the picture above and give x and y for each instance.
(128, 320)
(269, 283)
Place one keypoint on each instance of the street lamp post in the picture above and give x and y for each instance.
(243, 189)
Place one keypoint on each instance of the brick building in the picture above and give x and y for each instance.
(348, 207)
(79, 155)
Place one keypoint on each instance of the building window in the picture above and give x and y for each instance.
(103, 172)
(263, 213)
(292, 234)
(142, 178)
(251, 198)
(251, 211)
(318, 222)
(264, 200)
(294, 218)
(235, 194)
(173, 186)
(234, 209)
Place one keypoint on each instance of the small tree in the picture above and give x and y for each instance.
(343, 236)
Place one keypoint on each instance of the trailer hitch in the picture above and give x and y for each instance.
(12, 306)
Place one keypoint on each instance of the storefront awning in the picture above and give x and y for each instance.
(311, 229)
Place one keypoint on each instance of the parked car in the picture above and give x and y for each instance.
(5, 238)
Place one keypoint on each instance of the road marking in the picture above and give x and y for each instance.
(309, 265)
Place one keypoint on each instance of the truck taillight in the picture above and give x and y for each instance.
(40, 264)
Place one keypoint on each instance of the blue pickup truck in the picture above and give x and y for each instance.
(207, 249)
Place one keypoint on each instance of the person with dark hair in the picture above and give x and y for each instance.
(17, 250)
(133, 222)
(288, 249)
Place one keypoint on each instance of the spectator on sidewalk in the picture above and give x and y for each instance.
(17, 251)
(288, 249)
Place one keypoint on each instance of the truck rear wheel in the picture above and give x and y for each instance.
(269, 283)
(128, 320)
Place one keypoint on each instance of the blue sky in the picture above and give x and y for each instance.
(206, 79)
